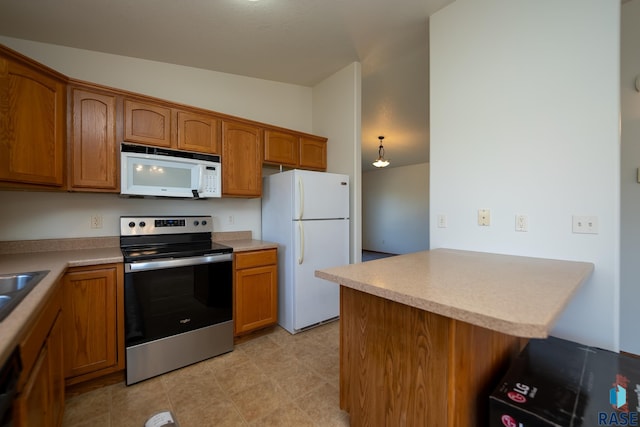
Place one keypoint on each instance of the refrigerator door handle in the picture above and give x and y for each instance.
(301, 198)
(301, 257)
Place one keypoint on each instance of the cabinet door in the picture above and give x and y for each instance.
(89, 320)
(241, 160)
(198, 132)
(313, 153)
(281, 148)
(56, 372)
(147, 123)
(256, 298)
(32, 404)
(94, 149)
(32, 123)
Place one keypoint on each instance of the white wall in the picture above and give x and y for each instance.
(337, 115)
(27, 215)
(525, 120)
(630, 194)
(395, 206)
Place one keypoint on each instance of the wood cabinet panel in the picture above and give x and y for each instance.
(32, 125)
(198, 132)
(256, 298)
(32, 404)
(281, 148)
(313, 153)
(40, 399)
(372, 348)
(32, 343)
(400, 365)
(90, 307)
(255, 290)
(93, 145)
(147, 123)
(55, 348)
(256, 258)
(241, 160)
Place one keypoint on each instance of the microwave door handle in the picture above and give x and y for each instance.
(201, 173)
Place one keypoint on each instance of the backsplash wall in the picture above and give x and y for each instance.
(28, 215)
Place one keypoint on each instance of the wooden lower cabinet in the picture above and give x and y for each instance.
(40, 399)
(255, 290)
(93, 320)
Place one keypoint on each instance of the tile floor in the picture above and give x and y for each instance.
(373, 255)
(277, 379)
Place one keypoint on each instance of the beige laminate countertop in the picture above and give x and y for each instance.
(15, 324)
(519, 296)
(245, 245)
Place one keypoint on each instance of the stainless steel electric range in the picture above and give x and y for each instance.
(178, 294)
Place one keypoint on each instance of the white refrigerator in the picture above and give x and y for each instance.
(307, 214)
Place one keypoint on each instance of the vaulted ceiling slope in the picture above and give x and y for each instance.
(293, 41)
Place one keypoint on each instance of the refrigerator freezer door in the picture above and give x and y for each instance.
(318, 244)
(319, 195)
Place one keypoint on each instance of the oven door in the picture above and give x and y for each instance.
(169, 297)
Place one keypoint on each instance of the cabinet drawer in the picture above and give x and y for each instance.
(256, 258)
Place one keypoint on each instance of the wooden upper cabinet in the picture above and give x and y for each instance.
(32, 123)
(281, 148)
(147, 123)
(93, 145)
(198, 132)
(241, 159)
(313, 153)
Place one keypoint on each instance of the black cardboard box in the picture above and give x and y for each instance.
(554, 382)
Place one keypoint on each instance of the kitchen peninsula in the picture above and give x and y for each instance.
(425, 336)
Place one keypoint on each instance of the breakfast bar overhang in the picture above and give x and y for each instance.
(425, 336)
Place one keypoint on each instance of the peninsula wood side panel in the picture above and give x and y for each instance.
(478, 358)
(402, 366)
(392, 369)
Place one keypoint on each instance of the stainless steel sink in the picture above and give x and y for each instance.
(15, 286)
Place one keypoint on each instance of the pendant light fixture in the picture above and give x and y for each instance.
(381, 162)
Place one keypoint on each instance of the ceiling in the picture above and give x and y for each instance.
(293, 41)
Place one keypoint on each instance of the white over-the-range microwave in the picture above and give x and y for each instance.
(155, 171)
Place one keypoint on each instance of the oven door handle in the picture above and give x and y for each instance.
(175, 262)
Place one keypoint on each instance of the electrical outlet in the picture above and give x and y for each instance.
(584, 224)
(231, 220)
(522, 223)
(442, 221)
(484, 217)
(96, 221)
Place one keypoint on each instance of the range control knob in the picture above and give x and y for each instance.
(196, 223)
(142, 224)
(132, 224)
(204, 222)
